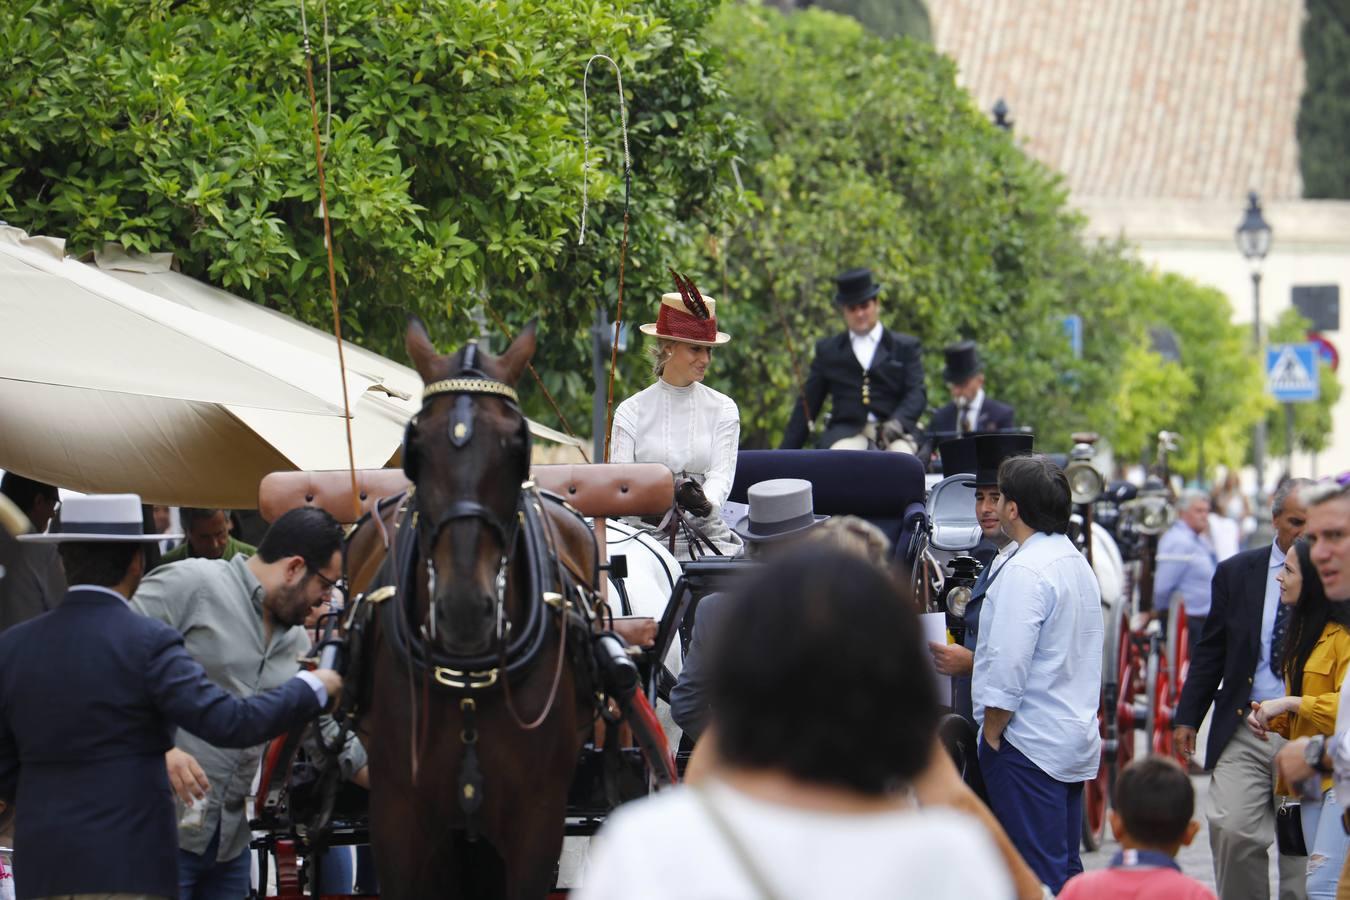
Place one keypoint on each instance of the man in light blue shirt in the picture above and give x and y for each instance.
(1038, 668)
(1186, 563)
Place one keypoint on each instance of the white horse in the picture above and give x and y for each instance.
(652, 574)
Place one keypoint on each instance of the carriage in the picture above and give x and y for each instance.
(440, 701)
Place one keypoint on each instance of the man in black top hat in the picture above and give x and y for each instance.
(874, 377)
(979, 456)
(970, 411)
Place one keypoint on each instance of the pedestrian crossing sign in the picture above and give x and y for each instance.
(1291, 372)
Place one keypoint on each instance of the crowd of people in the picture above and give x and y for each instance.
(142, 669)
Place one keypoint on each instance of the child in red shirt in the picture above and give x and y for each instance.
(1152, 820)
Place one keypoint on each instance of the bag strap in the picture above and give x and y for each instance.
(738, 849)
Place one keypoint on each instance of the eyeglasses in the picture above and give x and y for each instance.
(340, 585)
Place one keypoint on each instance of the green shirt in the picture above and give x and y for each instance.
(183, 551)
(216, 605)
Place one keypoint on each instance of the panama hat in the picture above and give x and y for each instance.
(100, 518)
(779, 508)
(687, 316)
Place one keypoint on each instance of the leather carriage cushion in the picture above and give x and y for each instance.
(608, 490)
(330, 490)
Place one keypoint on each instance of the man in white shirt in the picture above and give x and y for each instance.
(971, 410)
(1038, 667)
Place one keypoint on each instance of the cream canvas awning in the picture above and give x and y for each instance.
(121, 374)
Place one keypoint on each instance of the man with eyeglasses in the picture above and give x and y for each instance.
(243, 620)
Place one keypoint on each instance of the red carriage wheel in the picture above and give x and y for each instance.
(1097, 797)
(1128, 676)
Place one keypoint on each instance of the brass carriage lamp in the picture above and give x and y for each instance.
(1152, 510)
(1086, 483)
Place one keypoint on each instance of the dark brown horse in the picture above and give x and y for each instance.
(474, 725)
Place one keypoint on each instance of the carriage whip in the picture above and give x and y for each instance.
(328, 236)
(623, 244)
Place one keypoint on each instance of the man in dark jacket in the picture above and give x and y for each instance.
(872, 375)
(971, 410)
(1232, 666)
(90, 694)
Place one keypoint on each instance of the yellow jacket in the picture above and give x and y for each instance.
(1323, 674)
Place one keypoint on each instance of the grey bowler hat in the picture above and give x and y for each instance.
(779, 507)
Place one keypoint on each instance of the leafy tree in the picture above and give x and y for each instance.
(1324, 111)
(886, 18)
(454, 152)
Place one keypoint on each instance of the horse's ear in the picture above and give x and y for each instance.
(519, 354)
(421, 351)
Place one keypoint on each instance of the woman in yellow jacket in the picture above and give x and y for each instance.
(1314, 658)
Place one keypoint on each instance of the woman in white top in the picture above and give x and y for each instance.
(682, 423)
(825, 715)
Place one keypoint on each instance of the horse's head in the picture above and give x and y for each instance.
(468, 451)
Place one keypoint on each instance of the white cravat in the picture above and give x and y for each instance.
(865, 346)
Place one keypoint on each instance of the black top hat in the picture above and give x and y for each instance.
(854, 287)
(958, 457)
(992, 449)
(963, 362)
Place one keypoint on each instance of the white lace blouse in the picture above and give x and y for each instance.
(692, 430)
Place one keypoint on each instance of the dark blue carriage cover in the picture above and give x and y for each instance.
(886, 489)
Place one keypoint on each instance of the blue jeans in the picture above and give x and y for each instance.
(1043, 817)
(1327, 844)
(202, 877)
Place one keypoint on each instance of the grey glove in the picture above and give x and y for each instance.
(891, 430)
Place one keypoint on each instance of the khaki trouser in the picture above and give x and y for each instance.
(1241, 813)
(867, 438)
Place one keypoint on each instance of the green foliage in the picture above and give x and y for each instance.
(1324, 111)
(886, 18)
(1312, 421)
(453, 165)
(769, 152)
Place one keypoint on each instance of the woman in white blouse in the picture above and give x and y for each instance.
(681, 422)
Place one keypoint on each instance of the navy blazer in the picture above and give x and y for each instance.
(994, 416)
(895, 388)
(89, 697)
(689, 703)
(1228, 650)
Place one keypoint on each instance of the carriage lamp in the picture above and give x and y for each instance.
(959, 584)
(1086, 484)
(1152, 510)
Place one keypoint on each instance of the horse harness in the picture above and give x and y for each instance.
(551, 590)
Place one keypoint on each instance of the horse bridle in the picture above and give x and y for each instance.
(470, 382)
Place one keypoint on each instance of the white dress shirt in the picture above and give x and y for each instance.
(1265, 685)
(1039, 656)
(865, 345)
(971, 412)
(691, 430)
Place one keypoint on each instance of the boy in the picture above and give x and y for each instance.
(1152, 820)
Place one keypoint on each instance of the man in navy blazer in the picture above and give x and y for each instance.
(1230, 668)
(90, 695)
(872, 375)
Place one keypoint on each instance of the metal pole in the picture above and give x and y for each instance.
(1289, 439)
(1259, 438)
(600, 338)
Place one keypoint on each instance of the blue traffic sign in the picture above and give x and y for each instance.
(1291, 372)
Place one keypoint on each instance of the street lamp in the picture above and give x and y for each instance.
(1000, 112)
(1253, 239)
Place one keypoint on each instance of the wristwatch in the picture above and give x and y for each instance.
(1313, 752)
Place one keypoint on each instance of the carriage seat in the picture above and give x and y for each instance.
(608, 490)
(886, 489)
